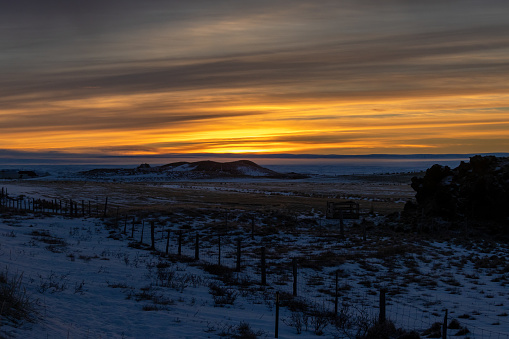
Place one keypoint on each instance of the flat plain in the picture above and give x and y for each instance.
(201, 274)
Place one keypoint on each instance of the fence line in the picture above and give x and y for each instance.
(317, 288)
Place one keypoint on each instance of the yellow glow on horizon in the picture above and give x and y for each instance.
(207, 122)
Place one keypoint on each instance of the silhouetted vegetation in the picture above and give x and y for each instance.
(476, 192)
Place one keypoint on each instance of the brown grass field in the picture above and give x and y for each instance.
(379, 193)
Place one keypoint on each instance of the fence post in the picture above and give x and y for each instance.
(105, 207)
(71, 207)
(444, 327)
(219, 248)
(252, 228)
(238, 254)
(276, 332)
(180, 243)
(264, 272)
(197, 247)
(142, 229)
(381, 318)
(226, 222)
(294, 266)
(132, 227)
(83, 208)
(167, 242)
(152, 235)
(341, 224)
(336, 295)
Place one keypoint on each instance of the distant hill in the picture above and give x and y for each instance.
(20, 174)
(197, 170)
(234, 168)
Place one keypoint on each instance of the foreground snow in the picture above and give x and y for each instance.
(90, 286)
(85, 284)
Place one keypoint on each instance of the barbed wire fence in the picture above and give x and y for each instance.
(316, 282)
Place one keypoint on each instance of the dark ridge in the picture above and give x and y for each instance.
(200, 169)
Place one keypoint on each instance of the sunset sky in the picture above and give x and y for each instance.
(302, 77)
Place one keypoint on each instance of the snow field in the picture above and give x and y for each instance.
(91, 280)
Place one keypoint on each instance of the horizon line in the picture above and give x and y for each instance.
(10, 157)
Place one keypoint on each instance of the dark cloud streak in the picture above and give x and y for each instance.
(196, 60)
(411, 57)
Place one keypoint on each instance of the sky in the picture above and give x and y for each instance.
(129, 78)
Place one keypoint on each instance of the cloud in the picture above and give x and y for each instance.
(174, 71)
(398, 65)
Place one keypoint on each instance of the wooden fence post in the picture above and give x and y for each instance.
(197, 247)
(226, 221)
(444, 327)
(71, 206)
(219, 250)
(364, 231)
(341, 224)
(83, 208)
(276, 332)
(381, 317)
(252, 228)
(142, 229)
(152, 235)
(105, 207)
(167, 242)
(132, 228)
(336, 294)
(238, 254)
(294, 266)
(264, 272)
(180, 243)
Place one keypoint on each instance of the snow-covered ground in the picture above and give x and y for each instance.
(86, 285)
(89, 279)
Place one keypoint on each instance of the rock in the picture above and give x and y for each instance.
(477, 190)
